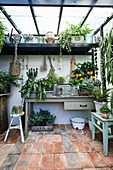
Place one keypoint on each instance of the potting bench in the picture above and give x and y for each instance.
(103, 126)
(70, 103)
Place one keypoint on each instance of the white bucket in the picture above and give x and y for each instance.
(78, 123)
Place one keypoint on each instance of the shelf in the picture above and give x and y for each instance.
(47, 49)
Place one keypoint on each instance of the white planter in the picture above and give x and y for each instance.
(98, 105)
(77, 39)
(78, 123)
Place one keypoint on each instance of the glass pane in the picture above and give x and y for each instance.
(47, 18)
(22, 18)
(98, 16)
(73, 15)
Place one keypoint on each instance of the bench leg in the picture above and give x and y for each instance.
(105, 138)
(93, 127)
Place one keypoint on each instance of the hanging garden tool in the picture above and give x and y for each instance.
(72, 75)
(52, 68)
(44, 66)
(15, 66)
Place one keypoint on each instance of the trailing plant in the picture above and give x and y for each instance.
(43, 117)
(107, 46)
(64, 39)
(104, 109)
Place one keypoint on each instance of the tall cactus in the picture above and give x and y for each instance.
(32, 73)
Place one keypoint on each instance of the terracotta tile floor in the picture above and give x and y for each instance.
(64, 148)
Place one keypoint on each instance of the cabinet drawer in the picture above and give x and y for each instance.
(79, 106)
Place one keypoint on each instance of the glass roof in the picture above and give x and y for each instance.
(47, 18)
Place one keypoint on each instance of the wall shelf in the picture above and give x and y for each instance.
(47, 49)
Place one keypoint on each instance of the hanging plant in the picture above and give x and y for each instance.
(107, 46)
(65, 41)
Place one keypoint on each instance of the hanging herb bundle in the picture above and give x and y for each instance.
(107, 46)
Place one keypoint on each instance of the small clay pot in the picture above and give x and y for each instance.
(50, 38)
(105, 115)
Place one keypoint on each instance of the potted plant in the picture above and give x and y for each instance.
(6, 79)
(97, 84)
(78, 32)
(50, 38)
(62, 87)
(65, 37)
(101, 97)
(105, 112)
(17, 109)
(83, 88)
(41, 119)
(33, 87)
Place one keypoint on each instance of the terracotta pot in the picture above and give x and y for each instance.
(50, 38)
(105, 115)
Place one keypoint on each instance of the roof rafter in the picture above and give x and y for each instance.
(33, 15)
(60, 16)
(107, 20)
(10, 19)
(86, 16)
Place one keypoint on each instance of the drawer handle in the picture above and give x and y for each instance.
(83, 105)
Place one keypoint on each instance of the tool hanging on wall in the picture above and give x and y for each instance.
(72, 75)
(15, 66)
(59, 63)
(52, 68)
(44, 65)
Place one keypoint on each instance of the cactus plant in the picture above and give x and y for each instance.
(32, 73)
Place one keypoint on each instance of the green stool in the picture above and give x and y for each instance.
(105, 124)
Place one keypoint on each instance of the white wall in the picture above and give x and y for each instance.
(36, 61)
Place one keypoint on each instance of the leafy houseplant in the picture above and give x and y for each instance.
(65, 36)
(101, 97)
(2, 33)
(83, 88)
(51, 80)
(33, 85)
(105, 111)
(6, 79)
(41, 118)
(17, 109)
